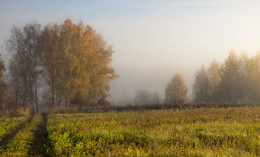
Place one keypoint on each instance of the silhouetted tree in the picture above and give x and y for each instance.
(201, 86)
(214, 75)
(2, 83)
(254, 78)
(176, 91)
(24, 64)
(229, 86)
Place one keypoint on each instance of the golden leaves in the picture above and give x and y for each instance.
(80, 59)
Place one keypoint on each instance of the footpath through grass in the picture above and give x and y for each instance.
(189, 132)
(25, 142)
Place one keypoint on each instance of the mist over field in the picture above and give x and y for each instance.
(152, 78)
(130, 78)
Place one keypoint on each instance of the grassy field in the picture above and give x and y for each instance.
(187, 132)
(20, 144)
(191, 132)
(8, 123)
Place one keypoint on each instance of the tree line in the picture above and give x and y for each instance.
(61, 64)
(69, 64)
(237, 80)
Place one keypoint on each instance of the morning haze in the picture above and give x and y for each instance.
(152, 40)
(130, 78)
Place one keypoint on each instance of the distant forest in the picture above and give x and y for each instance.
(237, 80)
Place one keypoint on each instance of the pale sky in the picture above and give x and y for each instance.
(152, 39)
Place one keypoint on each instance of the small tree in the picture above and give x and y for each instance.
(176, 91)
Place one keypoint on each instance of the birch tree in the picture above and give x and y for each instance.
(176, 90)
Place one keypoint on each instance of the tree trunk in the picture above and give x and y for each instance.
(36, 96)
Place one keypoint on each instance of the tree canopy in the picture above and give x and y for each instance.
(69, 63)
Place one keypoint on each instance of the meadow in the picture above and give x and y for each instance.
(188, 132)
(233, 131)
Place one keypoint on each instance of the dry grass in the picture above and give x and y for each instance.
(106, 108)
(18, 111)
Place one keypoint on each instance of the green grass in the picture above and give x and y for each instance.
(20, 144)
(8, 123)
(189, 132)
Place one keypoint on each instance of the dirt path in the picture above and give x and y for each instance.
(40, 138)
(6, 138)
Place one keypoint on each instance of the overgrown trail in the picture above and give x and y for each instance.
(5, 139)
(40, 138)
